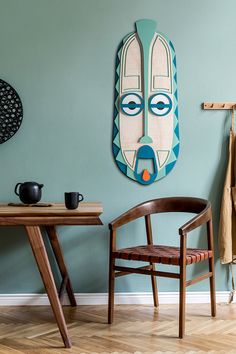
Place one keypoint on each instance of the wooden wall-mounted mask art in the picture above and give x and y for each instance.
(11, 111)
(146, 128)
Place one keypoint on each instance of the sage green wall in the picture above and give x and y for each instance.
(60, 55)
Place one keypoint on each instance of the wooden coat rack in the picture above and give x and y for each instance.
(219, 105)
(222, 105)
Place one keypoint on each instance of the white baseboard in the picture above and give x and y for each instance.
(198, 297)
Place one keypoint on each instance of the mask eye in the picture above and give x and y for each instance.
(131, 104)
(160, 104)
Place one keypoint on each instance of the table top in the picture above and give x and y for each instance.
(56, 209)
(86, 214)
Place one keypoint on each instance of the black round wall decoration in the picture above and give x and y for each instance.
(11, 111)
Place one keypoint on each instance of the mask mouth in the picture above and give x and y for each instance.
(145, 165)
(145, 170)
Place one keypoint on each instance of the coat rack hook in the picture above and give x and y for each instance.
(223, 106)
(212, 105)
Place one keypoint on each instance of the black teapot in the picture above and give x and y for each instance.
(29, 192)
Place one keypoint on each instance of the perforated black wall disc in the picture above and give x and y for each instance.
(11, 111)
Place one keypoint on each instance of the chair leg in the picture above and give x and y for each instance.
(211, 267)
(154, 287)
(212, 287)
(182, 286)
(111, 291)
(150, 242)
(182, 300)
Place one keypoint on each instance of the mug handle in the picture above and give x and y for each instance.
(18, 184)
(82, 197)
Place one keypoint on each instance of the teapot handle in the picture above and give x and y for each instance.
(18, 184)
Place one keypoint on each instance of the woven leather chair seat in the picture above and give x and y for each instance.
(162, 254)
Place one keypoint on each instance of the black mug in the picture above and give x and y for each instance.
(72, 199)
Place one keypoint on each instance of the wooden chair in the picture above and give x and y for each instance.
(177, 256)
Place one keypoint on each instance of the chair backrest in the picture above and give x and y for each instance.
(162, 205)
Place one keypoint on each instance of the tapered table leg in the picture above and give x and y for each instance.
(53, 238)
(41, 257)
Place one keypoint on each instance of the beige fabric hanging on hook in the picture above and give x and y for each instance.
(227, 227)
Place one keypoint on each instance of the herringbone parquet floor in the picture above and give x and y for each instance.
(136, 329)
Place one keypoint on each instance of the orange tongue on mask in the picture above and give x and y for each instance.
(146, 175)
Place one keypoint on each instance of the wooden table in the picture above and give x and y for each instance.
(32, 218)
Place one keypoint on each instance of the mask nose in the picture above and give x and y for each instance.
(146, 139)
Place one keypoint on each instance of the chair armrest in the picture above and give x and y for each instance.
(130, 215)
(121, 220)
(197, 221)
